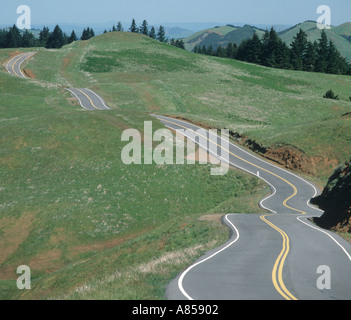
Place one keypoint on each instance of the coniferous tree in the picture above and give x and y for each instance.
(204, 50)
(114, 28)
(275, 52)
(333, 60)
(84, 35)
(322, 53)
(282, 55)
(231, 50)
(271, 49)
(2, 38)
(28, 39)
(91, 33)
(180, 44)
(44, 36)
(242, 50)
(253, 49)
(298, 50)
(119, 26)
(133, 28)
(56, 38)
(264, 53)
(144, 28)
(73, 37)
(310, 56)
(220, 52)
(87, 34)
(13, 37)
(161, 34)
(152, 33)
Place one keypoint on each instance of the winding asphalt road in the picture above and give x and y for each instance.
(88, 99)
(275, 256)
(13, 66)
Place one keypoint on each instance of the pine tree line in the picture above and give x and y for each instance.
(57, 38)
(144, 29)
(13, 38)
(179, 43)
(271, 51)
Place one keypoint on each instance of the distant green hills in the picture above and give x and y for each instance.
(222, 35)
(340, 35)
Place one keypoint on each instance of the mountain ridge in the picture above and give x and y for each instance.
(340, 35)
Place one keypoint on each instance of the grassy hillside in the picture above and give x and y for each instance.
(91, 227)
(344, 29)
(282, 111)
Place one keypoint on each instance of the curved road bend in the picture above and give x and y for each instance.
(88, 99)
(13, 66)
(275, 256)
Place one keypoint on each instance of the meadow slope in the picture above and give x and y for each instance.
(89, 226)
(281, 113)
(92, 227)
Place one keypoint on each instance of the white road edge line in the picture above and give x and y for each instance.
(261, 160)
(180, 284)
(7, 65)
(26, 56)
(329, 235)
(78, 99)
(102, 100)
(181, 278)
(180, 281)
(17, 56)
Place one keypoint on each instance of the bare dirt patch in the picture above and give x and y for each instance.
(14, 231)
(212, 218)
(67, 60)
(29, 73)
(47, 261)
(73, 101)
(286, 156)
(76, 250)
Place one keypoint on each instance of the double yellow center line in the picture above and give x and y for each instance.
(13, 65)
(91, 101)
(277, 272)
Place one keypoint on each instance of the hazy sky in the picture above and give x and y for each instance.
(161, 11)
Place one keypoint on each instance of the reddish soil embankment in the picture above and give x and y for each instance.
(287, 156)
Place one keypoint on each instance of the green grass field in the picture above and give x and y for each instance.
(91, 227)
(273, 107)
